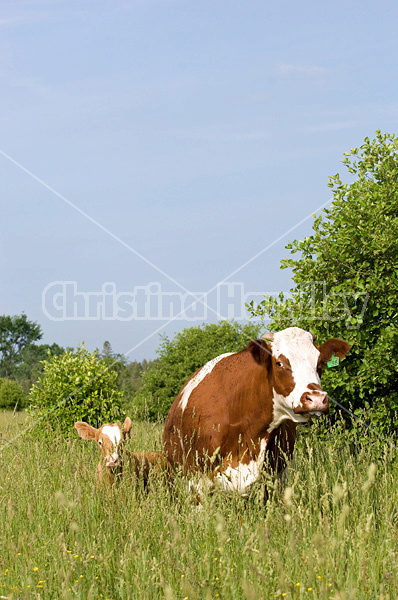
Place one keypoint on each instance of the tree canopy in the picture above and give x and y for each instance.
(16, 332)
(346, 281)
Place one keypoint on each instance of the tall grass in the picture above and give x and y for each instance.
(332, 533)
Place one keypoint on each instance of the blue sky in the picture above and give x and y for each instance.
(177, 141)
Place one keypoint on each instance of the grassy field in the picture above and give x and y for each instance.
(332, 534)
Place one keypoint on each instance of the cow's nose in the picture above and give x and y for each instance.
(313, 401)
(318, 401)
(112, 461)
(323, 397)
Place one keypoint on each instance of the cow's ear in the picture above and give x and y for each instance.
(333, 347)
(261, 352)
(85, 430)
(127, 426)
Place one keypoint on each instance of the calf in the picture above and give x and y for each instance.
(115, 460)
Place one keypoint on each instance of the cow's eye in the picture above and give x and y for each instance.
(100, 442)
(279, 363)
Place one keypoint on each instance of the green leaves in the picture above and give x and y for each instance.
(75, 387)
(346, 280)
(12, 396)
(16, 333)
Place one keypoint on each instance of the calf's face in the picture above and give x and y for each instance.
(109, 438)
(296, 368)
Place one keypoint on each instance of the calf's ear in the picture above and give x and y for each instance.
(127, 426)
(334, 347)
(85, 430)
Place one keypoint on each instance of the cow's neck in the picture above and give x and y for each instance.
(280, 445)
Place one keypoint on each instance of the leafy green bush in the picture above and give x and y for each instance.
(11, 395)
(346, 282)
(180, 357)
(75, 387)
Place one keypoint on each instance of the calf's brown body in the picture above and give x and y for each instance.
(116, 461)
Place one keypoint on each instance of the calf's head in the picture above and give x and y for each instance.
(296, 365)
(109, 438)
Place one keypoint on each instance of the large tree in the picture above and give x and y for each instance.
(16, 332)
(346, 281)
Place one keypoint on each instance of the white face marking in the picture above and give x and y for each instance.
(297, 345)
(114, 434)
(194, 382)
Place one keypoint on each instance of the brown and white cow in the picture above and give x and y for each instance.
(241, 407)
(115, 460)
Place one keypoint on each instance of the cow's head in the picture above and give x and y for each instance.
(296, 368)
(108, 437)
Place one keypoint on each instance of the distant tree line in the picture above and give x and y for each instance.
(103, 384)
(22, 362)
(102, 387)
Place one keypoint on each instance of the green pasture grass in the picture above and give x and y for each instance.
(331, 533)
(10, 422)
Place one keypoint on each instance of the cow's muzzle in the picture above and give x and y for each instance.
(112, 461)
(314, 402)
